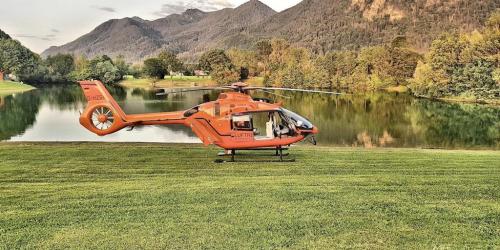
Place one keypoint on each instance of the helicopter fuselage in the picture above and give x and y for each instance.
(229, 122)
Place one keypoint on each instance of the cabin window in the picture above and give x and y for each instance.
(191, 111)
(217, 109)
(242, 122)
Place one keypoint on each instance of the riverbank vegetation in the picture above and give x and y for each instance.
(462, 65)
(85, 195)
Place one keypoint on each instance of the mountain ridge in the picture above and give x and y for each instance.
(320, 25)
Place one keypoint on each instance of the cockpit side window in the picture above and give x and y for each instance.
(297, 120)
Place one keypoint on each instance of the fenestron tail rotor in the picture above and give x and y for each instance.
(102, 118)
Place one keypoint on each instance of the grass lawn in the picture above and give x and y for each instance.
(93, 195)
(7, 87)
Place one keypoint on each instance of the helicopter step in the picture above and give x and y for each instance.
(278, 153)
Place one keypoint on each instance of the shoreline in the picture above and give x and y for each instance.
(9, 87)
(144, 83)
(211, 147)
(457, 100)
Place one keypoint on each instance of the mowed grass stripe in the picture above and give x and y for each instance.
(93, 195)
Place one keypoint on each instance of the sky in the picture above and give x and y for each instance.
(39, 24)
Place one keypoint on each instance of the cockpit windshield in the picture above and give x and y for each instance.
(299, 121)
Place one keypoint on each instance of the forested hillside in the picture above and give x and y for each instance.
(319, 25)
(325, 25)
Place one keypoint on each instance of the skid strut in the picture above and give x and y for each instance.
(278, 153)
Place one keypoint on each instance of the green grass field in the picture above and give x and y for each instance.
(7, 87)
(133, 196)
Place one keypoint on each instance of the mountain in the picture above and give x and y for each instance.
(191, 32)
(131, 37)
(321, 25)
(4, 35)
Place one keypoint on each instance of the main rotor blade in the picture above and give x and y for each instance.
(182, 90)
(298, 90)
(272, 93)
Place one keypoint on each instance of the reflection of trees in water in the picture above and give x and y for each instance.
(371, 120)
(18, 113)
(457, 125)
(118, 92)
(382, 119)
(68, 97)
(170, 102)
(368, 120)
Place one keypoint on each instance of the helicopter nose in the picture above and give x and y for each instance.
(315, 130)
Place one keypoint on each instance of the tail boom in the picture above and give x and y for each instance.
(104, 116)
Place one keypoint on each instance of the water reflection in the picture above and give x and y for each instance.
(374, 120)
(398, 120)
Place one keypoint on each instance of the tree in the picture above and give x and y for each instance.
(427, 82)
(135, 70)
(223, 75)
(103, 68)
(60, 66)
(107, 72)
(170, 62)
(214, 58)
(220, 67)
(82, 69)
(17, 59)
(122, 66)
(403, 62)
(263, 49)
(154, 68)
(465, 65)
(246, 61)
(339, 66)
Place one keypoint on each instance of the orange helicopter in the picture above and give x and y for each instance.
(227, 122)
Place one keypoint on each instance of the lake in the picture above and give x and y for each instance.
(368, 120)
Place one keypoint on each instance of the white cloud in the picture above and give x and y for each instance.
(180, 6)
(104, 8)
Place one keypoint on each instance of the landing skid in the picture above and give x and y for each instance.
(279, 153)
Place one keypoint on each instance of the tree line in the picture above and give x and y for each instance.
(465, 65)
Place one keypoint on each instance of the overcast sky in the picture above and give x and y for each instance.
(39, 24)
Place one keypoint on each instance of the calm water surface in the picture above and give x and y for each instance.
(372, 120)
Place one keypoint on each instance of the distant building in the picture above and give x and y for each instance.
(11, 77)
(201, 73)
